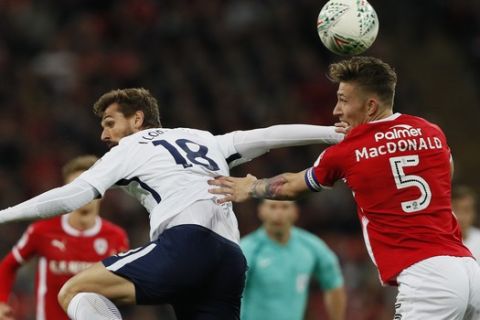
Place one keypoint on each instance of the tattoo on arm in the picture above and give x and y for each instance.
(270, 188)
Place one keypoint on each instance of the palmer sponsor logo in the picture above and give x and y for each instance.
(398, 138)
(397, 132)
(68, 267)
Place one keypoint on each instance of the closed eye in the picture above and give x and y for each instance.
(108, 123)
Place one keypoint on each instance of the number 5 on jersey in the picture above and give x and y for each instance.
(405, 181)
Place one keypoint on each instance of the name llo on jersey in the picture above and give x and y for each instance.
(151, 136)
(399, 138)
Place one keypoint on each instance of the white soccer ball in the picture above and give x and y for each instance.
(347, 27)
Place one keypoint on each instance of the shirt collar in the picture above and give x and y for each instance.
(94, 230)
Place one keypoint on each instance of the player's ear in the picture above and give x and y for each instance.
(372, 107)
(138, 118)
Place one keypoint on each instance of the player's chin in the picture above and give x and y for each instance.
(111, 144)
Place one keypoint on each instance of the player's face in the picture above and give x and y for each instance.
(91, 207)
(464, 209)
(116, 126)
(352, 105)
(278, 216)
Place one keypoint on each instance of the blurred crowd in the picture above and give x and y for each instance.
(222, 66)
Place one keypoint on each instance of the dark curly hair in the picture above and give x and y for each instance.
(129, 101)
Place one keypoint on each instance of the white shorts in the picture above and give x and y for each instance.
(440, 288)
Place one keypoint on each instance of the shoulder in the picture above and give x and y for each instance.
(306, 236)
(251, 240)
(412, 118)
(45, 226)
(424, 127)
(195, 131)
(416, 120)
(310, 240)
(143, 137)
(187, 132)
(199, 136)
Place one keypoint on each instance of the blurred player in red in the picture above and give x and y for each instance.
(65, 245)
(399, 169)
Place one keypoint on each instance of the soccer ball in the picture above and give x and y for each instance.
(347, 27)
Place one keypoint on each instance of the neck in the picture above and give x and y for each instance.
(281, 237)
(381, 115)
(82, 220)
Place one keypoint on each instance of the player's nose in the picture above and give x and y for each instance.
(105, 136)
(337, 111)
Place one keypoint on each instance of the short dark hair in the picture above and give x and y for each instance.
(371, 73)
(131, 100)
(462, 191)
(80, 163)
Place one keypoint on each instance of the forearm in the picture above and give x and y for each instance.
(281, 187)
(335, 303)
(253, 143)
(286, 186)
(51, 203)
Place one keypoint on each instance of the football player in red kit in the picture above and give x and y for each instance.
(65, 245)
(399, 169)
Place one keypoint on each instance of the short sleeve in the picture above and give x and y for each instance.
(26, 247)
(326, 170)
(119, 163)
(327, 269)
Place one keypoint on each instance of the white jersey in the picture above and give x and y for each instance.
(473, 242)
(167, 171)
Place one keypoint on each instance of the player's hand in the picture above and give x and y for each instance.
(342, 127)
(6, 312)
(234, 189)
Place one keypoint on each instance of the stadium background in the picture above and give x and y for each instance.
(221, 66)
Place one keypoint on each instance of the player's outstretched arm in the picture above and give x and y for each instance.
(51, 203)
(250, 144)
(286, 186)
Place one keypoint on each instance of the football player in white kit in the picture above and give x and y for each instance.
(193, 260)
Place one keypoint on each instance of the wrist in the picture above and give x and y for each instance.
(253, 192)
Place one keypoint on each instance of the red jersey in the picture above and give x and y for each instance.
(63, 252)
(399, 171)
